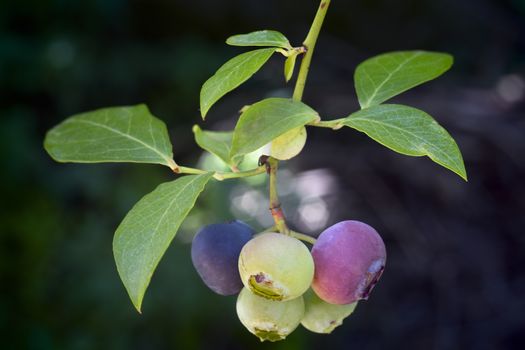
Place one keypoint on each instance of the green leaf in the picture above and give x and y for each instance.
(232, 74)
(409, 131)
(382, 77)
(215, 142)
(289, 65)
(115, 134)
(265, 120)
(270, 38)
(148, 229)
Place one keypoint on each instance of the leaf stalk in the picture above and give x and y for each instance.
(220, 176)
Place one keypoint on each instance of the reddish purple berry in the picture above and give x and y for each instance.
(349, 259)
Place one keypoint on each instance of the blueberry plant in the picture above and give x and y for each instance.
(280, 282)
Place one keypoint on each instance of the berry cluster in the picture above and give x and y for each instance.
(281, 283)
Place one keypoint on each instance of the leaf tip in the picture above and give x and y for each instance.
(45, 143)
(195, 129)
(204, 111)
(137, 303)
(51, 148)
(204, 105)
(461, 169)
(449, 57)
(142, 106)
(448, 61)
(463, 175)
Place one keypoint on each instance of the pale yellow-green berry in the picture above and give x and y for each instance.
(276, 266)
(268, 319)
(289, 144)
(322, 317)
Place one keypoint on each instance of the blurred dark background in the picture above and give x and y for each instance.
(456, 250)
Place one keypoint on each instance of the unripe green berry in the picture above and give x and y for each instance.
(322, 317)
(276, 266)
(268, 319)
(289, 144)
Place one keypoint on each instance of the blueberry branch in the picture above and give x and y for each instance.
(275, 205)
(272, 163)
(309, 45)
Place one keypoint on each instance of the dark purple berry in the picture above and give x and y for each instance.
(215, 254)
